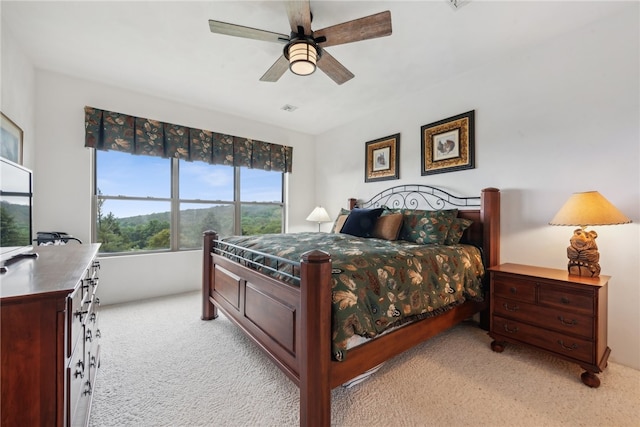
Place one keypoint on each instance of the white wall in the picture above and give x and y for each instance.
(17, 93)
(557, 119)
(63, 172)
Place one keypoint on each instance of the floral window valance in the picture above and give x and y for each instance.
(106, 130)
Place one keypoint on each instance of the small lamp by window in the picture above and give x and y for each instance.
(583, 209)
(319, 215)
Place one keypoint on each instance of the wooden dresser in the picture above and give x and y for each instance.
(49, 326)
(551, 310)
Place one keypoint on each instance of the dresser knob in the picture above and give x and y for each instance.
(571, 322)
(564, 300)
(513, 290)
(572, 347)
(511, 331)
(508, 308)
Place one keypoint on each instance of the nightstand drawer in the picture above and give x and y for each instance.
(575, 348)
(552, 318)
(567, 299)
(514, 288)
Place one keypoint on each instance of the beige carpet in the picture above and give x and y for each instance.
(163, 366)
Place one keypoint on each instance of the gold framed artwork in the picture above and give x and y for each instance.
(381, 159)
(448, 145)
(10, 140)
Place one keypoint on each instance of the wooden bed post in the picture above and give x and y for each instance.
(209, 311)
(315, 337)
(490, 217)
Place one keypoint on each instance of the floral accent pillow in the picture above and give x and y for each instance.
(456, 230)
(427, 227)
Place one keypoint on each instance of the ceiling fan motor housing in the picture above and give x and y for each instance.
(302, 52)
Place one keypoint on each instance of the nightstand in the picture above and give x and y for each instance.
(553, 311)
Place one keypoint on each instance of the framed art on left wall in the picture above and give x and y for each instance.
(381, 159)
(10, 140)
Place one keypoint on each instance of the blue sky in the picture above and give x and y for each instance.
(123, 174)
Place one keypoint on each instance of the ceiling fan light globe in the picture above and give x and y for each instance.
(302, 58)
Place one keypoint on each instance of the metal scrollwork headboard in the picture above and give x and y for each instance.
(416, 196)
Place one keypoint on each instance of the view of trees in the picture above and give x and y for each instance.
(150, 232)
(14, 225)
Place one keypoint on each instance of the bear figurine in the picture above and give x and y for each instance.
(583, 254)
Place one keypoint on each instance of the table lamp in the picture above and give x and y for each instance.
(319, 215)
(583, 209)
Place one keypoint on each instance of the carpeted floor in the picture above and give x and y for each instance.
(163, 366)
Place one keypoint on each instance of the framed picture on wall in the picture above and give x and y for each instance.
(381, 159)
(448, 145)
(10, 140)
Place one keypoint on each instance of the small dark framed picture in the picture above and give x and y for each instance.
(10, 140)
(448, 145)
(381, 159)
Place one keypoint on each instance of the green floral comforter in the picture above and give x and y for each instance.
(378, 284)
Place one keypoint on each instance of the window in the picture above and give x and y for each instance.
(146, 203)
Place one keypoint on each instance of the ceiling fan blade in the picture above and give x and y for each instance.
(219, 27)
(276, 71)
(299, 13)
(332, 68)
(369, 27)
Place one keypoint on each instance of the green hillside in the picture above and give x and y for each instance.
(149, 232)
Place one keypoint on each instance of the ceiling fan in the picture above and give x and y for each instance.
(305, 49)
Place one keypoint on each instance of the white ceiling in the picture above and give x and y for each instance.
(166, 49)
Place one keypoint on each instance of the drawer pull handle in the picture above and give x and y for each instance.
(565, 300)
(92, 318)
(79, 373)
(511, 331)
(89, 337)
(93, 361)
(513, 290)
(87, 389)
(508, 308)
(98, 334)
(571, 322)
(572, 347)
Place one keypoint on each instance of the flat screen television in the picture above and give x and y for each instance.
(16, 209)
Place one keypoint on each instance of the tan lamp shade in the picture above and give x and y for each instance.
(588, 208)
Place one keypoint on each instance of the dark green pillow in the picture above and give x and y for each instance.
(456, 230)
(427, 227)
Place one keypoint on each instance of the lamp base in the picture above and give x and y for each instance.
(583, 254)
(579, 268)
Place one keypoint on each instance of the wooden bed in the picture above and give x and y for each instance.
(292, 324)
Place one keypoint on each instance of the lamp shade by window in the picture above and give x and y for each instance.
(588, 208)
(319, 215)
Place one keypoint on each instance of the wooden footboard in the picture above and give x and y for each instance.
(292, 324)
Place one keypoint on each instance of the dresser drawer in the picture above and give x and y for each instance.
(567, 299)
(576, 348)
(77, 373)
(75, 319)
(513, 287)
(546, 317)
